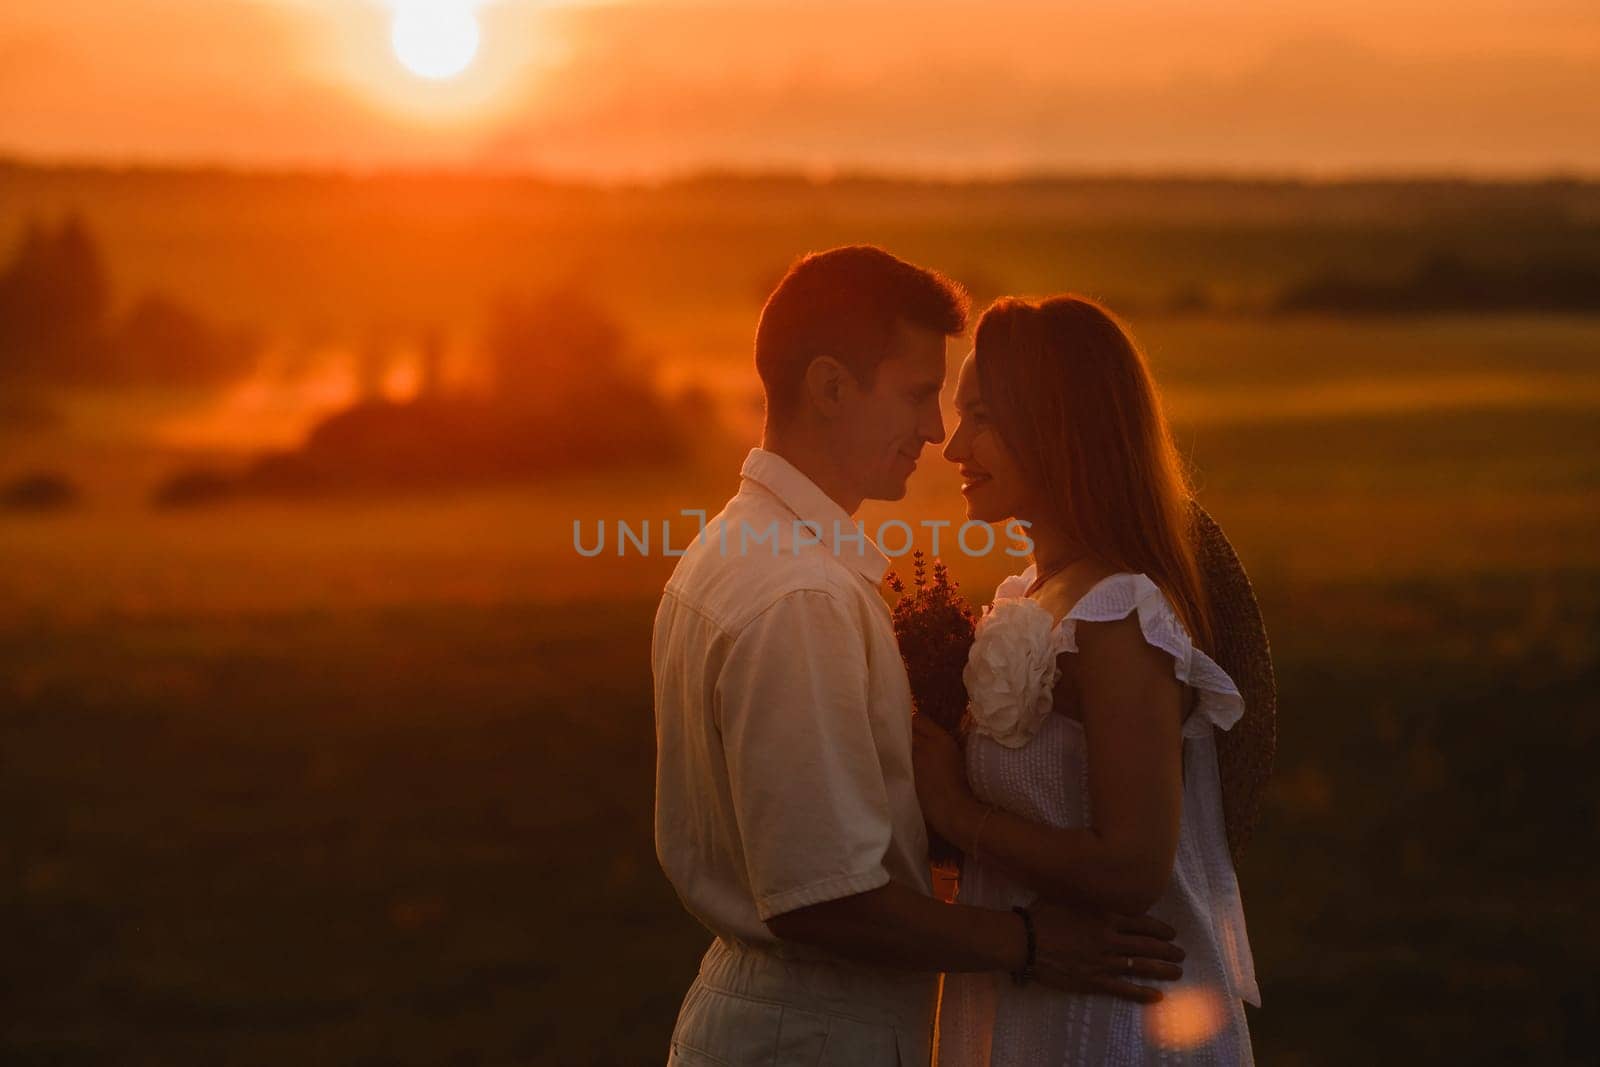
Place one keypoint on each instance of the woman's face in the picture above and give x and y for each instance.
(991, 481)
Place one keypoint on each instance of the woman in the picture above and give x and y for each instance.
(1090, 771)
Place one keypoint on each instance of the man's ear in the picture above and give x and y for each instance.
(827, 383)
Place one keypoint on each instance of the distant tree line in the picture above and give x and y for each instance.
(1446, 283)
(59, 326)
(570, 395)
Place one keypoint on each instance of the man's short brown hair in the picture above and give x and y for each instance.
(845, 303)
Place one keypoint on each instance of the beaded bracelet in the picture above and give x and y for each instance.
(1025, 974)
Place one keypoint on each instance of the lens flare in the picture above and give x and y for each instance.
(1185, 1018)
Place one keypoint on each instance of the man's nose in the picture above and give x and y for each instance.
(933, 432)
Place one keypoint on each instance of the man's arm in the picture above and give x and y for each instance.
(898, 927)
(894, 926)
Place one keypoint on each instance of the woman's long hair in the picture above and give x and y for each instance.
(1073, 398)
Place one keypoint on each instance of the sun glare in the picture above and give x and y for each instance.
(435, 39)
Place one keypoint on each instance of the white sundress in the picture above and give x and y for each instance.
(1033, 763)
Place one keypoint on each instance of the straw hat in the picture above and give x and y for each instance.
(1245, 752)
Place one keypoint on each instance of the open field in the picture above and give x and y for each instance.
(367, 779)
(1446, 495)
(422, 835)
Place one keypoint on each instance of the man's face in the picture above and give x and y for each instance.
(885, 427)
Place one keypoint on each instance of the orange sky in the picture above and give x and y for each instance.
(642, 87)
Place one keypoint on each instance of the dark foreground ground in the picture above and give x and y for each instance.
(422, 836)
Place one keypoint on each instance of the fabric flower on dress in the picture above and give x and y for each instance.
(1011, 671)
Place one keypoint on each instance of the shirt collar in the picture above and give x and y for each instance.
(809, 503)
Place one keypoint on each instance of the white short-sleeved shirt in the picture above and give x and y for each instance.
(783, 714)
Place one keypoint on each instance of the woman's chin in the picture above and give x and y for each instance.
(981, 510)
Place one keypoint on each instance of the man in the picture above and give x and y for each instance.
(786, 813)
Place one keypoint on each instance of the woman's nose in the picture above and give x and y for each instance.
(955, 448)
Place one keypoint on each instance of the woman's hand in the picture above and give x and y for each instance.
(941, 776)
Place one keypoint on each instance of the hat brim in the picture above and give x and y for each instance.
(1244, 753)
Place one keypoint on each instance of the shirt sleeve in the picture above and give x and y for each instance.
(806, 783)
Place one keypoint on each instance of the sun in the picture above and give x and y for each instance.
(435, 39)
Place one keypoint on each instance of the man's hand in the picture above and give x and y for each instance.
(1085, 952)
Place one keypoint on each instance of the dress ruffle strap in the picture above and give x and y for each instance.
(1218, 701)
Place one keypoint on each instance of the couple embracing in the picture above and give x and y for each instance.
(1098, 918)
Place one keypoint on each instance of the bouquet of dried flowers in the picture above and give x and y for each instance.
(934, 626)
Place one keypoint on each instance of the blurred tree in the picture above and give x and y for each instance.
(56, 326)
(430, 379)
(54, 302)
(552, 347)
(40, 491)
(570, 395)
(160, 341)
(372, 364)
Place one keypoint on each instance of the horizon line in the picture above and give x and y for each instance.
(817, 176)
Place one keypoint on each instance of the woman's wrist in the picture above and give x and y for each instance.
(965, 818)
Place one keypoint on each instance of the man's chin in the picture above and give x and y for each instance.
(890, 490)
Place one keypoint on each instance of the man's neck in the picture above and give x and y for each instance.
(809, 458)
